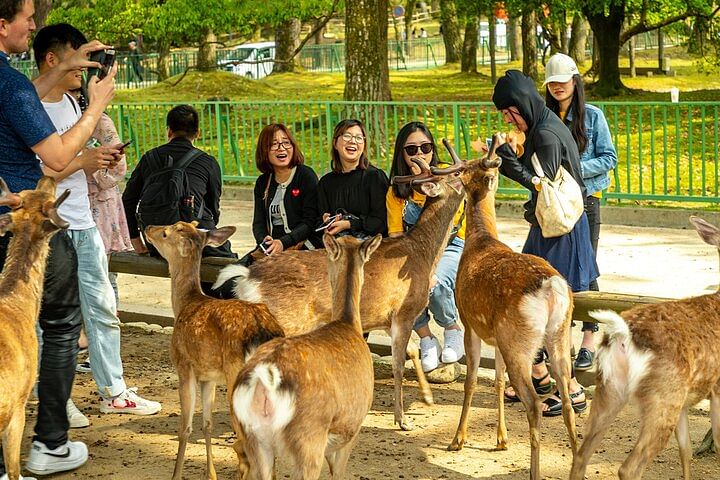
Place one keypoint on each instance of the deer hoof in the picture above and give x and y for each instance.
(456, 445)
(501, 446)
(406, 424)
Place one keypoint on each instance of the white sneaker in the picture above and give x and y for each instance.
(429, 353)
(129, 402)
(454, 346)
(44, 461)
(75, 416)
(5, 477)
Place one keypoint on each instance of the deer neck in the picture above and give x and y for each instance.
(346, 285)
(185, 281)
(24, 272)
(430, 233)
(481, 218)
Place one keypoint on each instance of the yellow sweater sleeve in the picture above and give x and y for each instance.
(395, 208)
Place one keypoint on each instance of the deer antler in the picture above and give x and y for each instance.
(457, 166)
(53, 214)
(424, 176)
(491, 160)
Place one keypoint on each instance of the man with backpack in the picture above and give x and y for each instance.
(174, 182)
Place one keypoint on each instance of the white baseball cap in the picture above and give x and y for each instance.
(560, 68)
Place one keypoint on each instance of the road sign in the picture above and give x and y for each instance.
(398, 11)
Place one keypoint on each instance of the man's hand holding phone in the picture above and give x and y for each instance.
(271, 246)
(328, 220)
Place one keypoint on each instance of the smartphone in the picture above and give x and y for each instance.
(124, 145)
(104, 57)
(264, 248)
(330, 221)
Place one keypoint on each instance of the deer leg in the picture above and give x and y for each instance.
(207, 391)
(607, 403)
(337, 460)
(659, 416)
(473, 345)
(500, 368)
(308, 456)
(12, 438)
(261, 459)
(521, 378)
(400, 335)
(240, 438)
(682, 434)
(187, 383)
(423, 385)
(558, 349)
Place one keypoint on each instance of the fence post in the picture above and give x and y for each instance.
(219, 133)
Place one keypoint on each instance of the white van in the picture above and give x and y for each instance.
(259, 56)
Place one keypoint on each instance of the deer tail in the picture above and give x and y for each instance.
(262, 402)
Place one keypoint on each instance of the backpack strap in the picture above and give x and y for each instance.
(188, 158)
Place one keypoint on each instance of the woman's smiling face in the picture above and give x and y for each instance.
(350, 145)
(281, 151)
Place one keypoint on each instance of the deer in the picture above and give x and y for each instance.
(515, 302)
(211, 338)
(307, 396)
(664, 358)
(296, 288)
(33, 220)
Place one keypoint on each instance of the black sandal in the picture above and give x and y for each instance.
(539, 389)
(556, 405)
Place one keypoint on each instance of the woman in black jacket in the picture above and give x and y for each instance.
(571, 254)
(285, 194)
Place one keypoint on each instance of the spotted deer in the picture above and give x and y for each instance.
(664, 358)
(33, 219)
(211, 338)
(307, 396)
(295, 284)
(514, 301)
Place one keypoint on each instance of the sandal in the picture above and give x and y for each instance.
(543, 389)
(556, 405)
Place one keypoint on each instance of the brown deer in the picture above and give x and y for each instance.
(665, 358)
(517, 303)
(33, 219)
(307, 396)
(295, 284)
(211, 338)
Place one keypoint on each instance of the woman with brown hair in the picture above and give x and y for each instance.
(353, 193)
(285, 194)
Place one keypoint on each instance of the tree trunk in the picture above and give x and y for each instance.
(699, 35)
(529, 44)
(631, 56)
(206, 61)
(470, 44)
(366, 55)
(42, 9)
(661, 48)
(163, 62)
(287, 39)
(606, 30)
(318, 37)
(451, 31)
(578, 39)
(514, 38)
(492, 45)
(409, 12)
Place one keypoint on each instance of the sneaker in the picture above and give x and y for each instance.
(584, 359)
(75, 416)
(454, 346)
(83, 367)
(5, 477)
(429, 353)
(129, 402)
(44, 461)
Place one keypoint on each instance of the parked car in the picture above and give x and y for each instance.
(259, 58)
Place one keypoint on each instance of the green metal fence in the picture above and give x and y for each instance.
(666, 151)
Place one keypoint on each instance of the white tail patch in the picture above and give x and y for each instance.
(621, 363)
(259, 406)
(245, 288)
(546, 313)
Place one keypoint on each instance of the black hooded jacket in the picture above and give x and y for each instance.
(546, 136)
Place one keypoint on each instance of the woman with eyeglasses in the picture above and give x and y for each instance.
(404, 206)
(285, 193)
(352, 195)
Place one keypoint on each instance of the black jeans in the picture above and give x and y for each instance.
(592, 210)
(60, 320)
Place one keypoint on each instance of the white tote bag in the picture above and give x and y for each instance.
(560, 204)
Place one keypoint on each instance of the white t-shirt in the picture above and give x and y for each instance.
(76, 209)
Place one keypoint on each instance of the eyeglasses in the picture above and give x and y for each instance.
(359, 139)
(285, 145)
(424, 148)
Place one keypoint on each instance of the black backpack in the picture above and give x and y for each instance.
(165, 198)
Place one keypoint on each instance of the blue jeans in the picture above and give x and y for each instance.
(97, 301)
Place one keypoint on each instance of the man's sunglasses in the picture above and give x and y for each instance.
(413, 149)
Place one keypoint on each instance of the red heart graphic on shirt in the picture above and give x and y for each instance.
(295, 192)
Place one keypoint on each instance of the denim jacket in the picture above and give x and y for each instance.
(599, 156)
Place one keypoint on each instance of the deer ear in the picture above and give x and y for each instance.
(217, 237)
(431, 189)
(369, 246)
(708, 232)
(331, 246)
(46, 184)
(6, 223)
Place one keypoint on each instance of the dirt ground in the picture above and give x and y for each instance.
(134, 448)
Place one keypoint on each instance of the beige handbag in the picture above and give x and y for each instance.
(560, 204)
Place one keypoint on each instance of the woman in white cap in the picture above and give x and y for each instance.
(565, 95)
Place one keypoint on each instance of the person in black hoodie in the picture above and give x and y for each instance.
(285, 194)
(516, 96)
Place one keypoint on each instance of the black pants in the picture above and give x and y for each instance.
(592, 210)
(60, 320)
